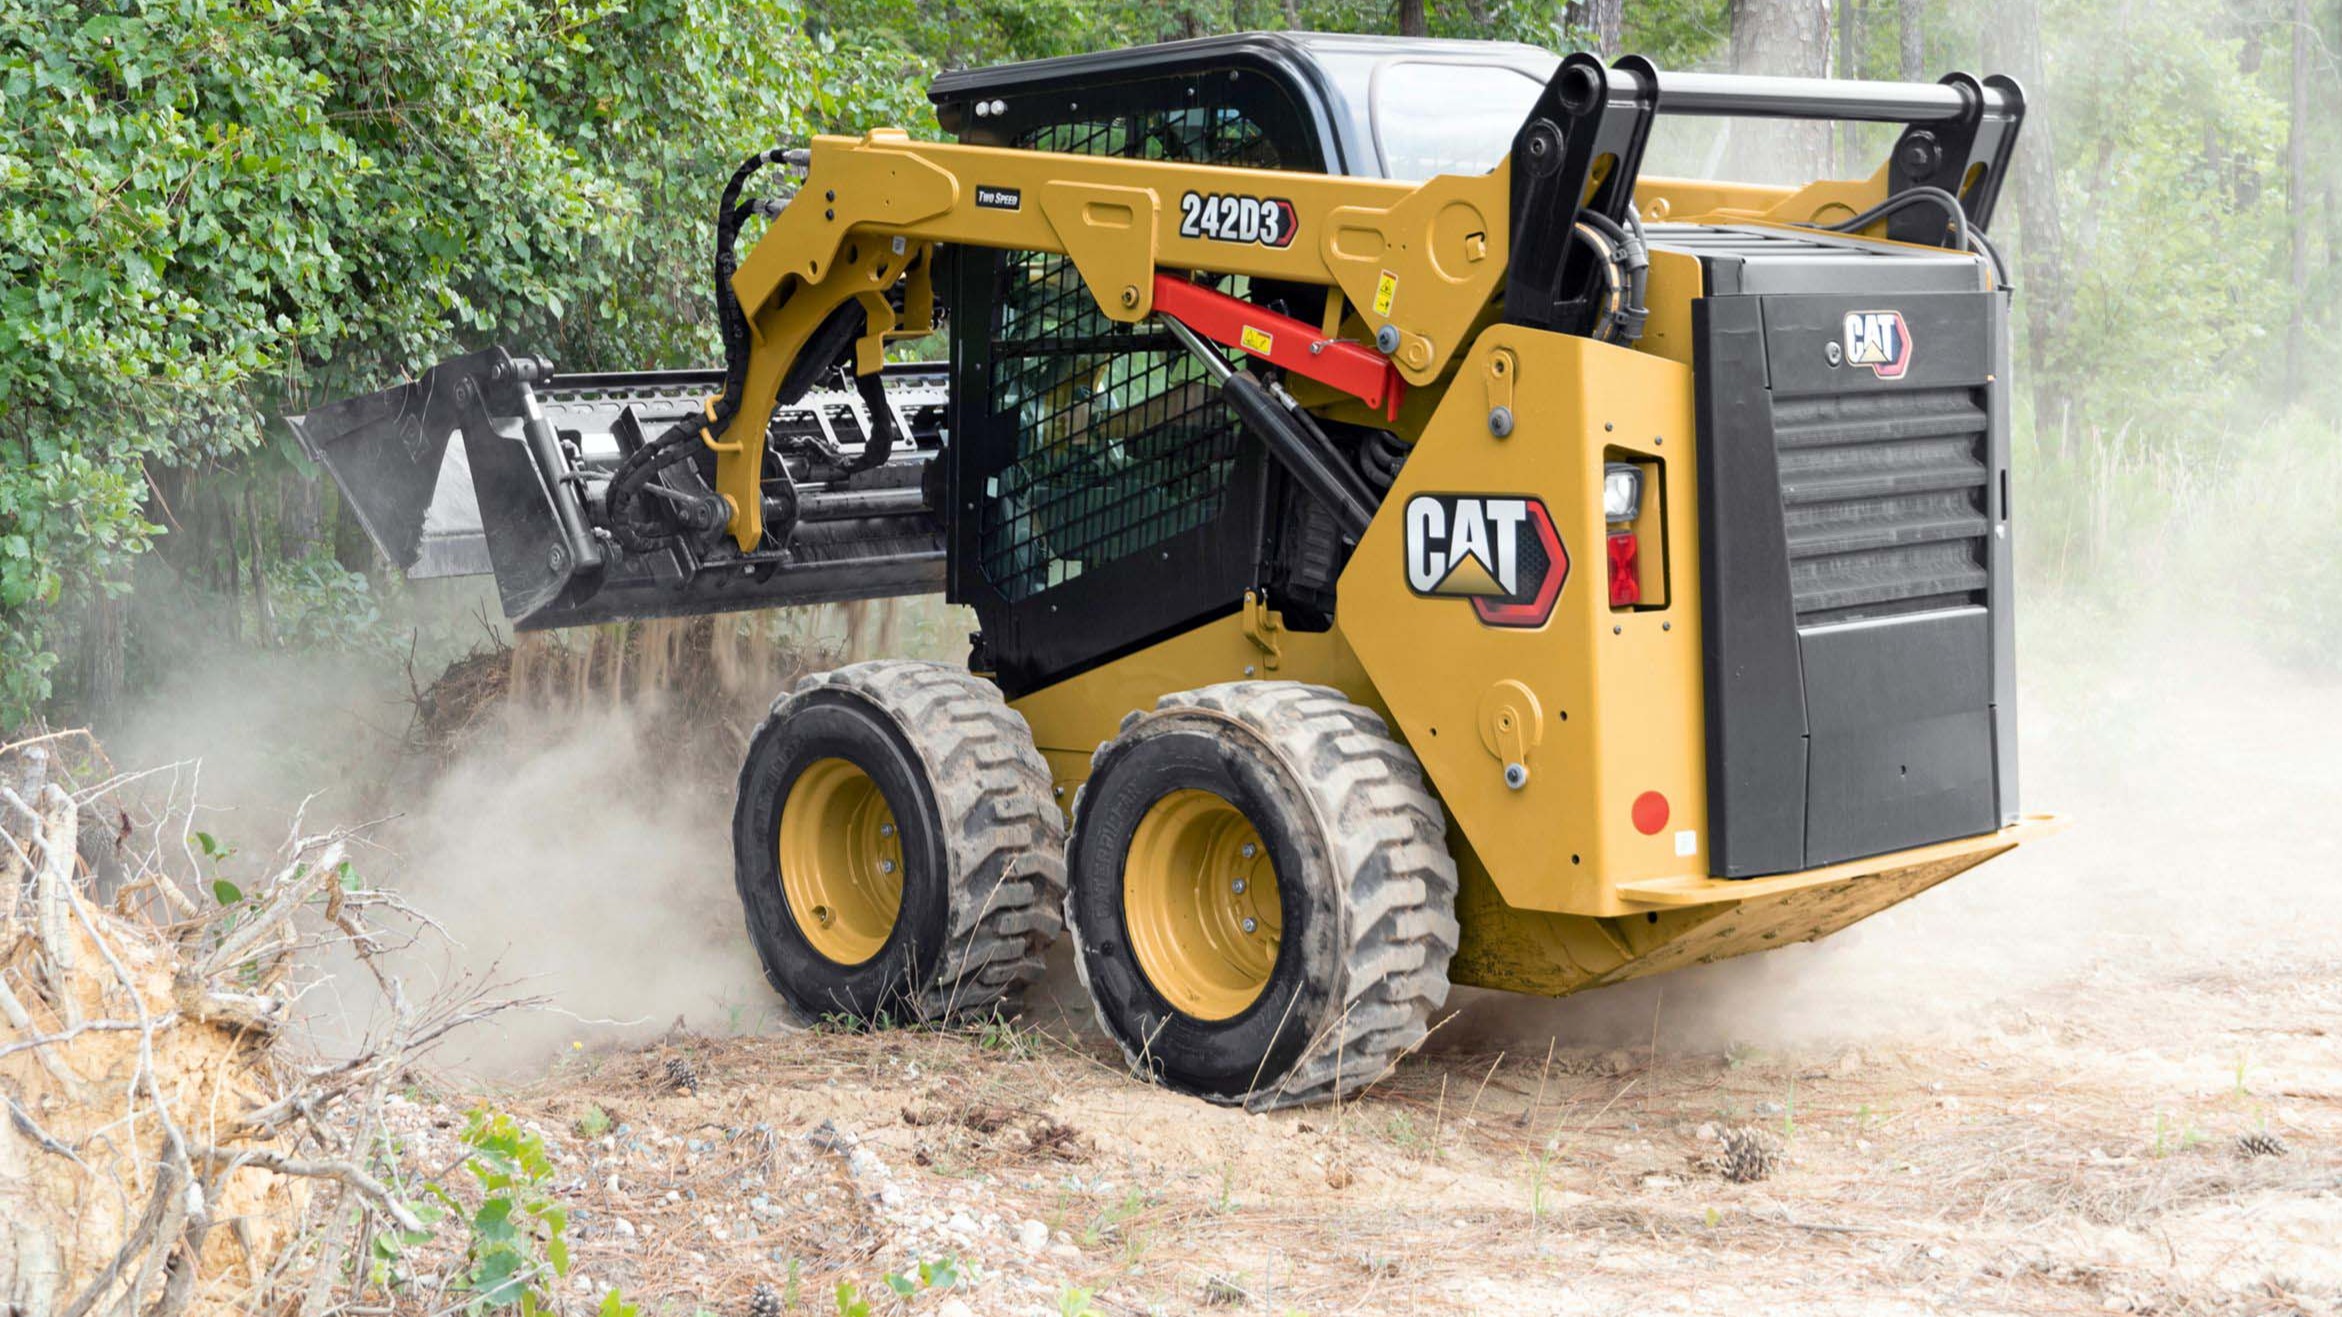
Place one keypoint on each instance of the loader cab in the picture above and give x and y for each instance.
(1107, 480)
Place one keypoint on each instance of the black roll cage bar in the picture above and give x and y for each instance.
(1958, 135)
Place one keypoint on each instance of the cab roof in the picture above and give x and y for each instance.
(1330, 76)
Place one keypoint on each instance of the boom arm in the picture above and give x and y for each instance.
(1425, 258)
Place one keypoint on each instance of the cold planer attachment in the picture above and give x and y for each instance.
(524, 495)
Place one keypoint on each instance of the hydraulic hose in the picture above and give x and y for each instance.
(633, 475)
(1965, 235)
(1626, 267)
(883, 435)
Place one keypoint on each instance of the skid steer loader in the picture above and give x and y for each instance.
(1410, 546)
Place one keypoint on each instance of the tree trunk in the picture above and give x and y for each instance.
(1413, 20)
(264, 613)
(1610, 26)
(351, 548)
(102, 655)
(1913, 14)
(1849, 66)
(1604, 20)
(300, 514)
(1293, 14)
(2046, 303)
(2237, 168)
(1785, 38)
(2333, 252)
(2296, 209)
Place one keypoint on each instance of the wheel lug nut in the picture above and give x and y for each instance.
(1251, 924)
(886, 866)
(886, 829)
(1250, 850)
(1237, 887)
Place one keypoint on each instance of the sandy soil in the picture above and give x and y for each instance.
(2021, 1093)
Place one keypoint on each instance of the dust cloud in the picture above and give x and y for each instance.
(575, 864)
(2203, 788)
(581, 857)
(574, 856)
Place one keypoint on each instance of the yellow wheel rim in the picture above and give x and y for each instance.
(841, 861)
(1199, 897)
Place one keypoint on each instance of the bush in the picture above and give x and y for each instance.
(216, 211)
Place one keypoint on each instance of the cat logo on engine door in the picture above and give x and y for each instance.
(1879, 340)
(1500, 551)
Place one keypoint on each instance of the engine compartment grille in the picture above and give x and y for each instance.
(1884, 499)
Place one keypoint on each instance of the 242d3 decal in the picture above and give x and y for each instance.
(1499, 551)
(1227, 217)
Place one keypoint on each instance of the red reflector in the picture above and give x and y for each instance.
(1650, 813)
(1626, 583)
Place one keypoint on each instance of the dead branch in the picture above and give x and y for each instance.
(52, 883)
(350, 1173)
(291, 888)
(170, 1189)
(16, 861)
(237, 969)
(21, 1020)
(47, 1142)
(86, 1026)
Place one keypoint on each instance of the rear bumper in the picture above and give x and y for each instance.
(1662, 893)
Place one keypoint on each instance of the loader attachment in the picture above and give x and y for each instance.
(490, 463)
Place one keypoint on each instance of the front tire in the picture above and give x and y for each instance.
(1261, 896)
(896, 846)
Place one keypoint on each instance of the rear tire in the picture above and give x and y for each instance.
(896, 845)
(1169, 942)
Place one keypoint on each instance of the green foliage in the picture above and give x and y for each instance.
(214, 211)
(318, 603)
(593, 1124)
(939, 1275)
(518, 1235)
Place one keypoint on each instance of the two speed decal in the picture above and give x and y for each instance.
(1226, 217)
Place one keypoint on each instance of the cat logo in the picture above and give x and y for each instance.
(1879, 340)
(1500, 552)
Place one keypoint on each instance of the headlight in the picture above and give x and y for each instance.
(1622, 491)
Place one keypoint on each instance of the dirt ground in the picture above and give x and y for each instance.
(2024, 1092)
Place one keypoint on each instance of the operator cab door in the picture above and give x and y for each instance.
(1105, 495)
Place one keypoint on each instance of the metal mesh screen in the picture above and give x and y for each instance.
(1121, 441)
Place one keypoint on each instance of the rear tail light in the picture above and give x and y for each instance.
(1626, 582)
(1622, 504)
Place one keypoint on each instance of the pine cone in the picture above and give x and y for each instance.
(1749, 1155)
(765, 1301)
(681, 1076)
(2261, 1144)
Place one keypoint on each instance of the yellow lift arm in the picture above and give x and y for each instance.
(1425, 258)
